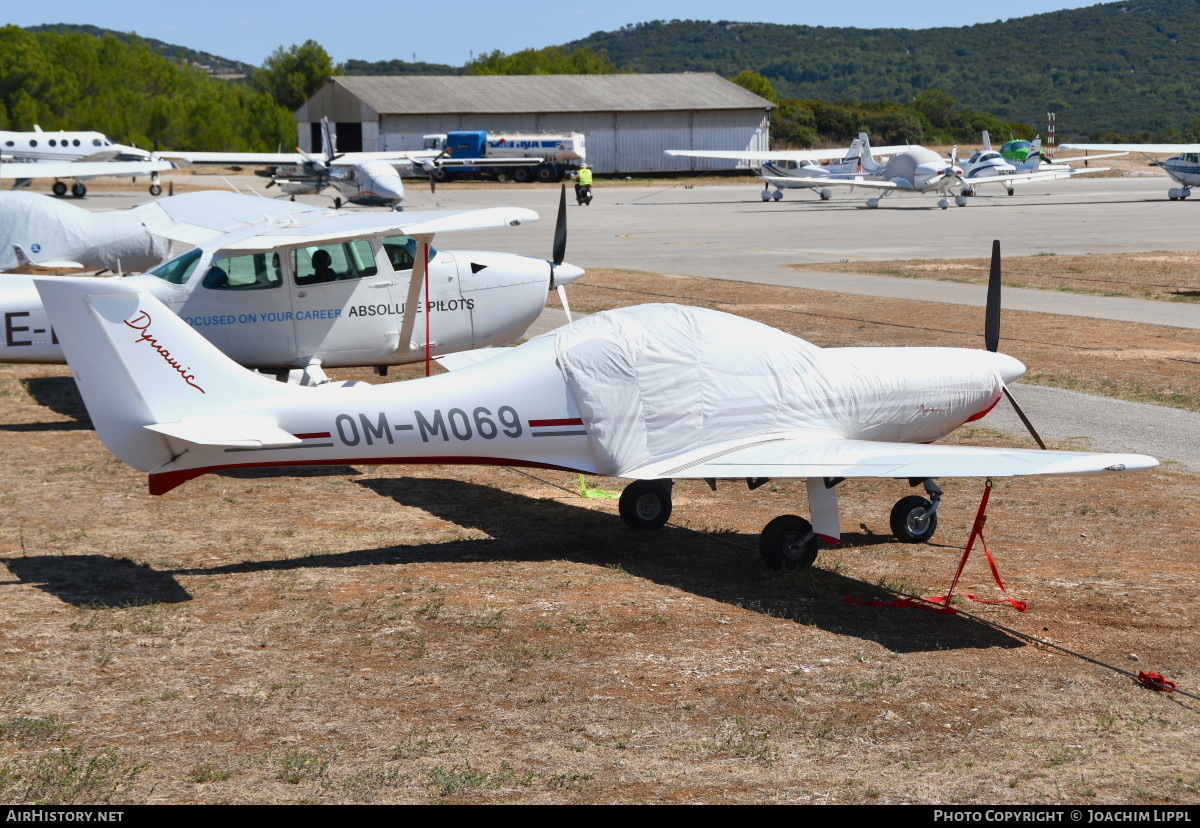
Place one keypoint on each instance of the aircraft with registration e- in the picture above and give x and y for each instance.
(655, 393)
(295, 289)
(780, 168)
(81, 156)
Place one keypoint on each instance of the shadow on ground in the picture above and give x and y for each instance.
(724, 567)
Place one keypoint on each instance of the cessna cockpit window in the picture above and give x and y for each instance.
(178, 270)
(401, 252)
(1191, 158)
(257, 271)
(333, 262)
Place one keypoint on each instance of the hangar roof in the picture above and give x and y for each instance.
(437, 94)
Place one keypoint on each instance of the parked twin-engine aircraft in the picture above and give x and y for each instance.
(780, 168)
(298, 288)
(368, 178)
(652, 392)
(1183, 167)
(81, 156)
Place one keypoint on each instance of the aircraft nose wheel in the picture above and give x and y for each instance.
(788, 543)
(646, 504)
(913, 519)
(766, 195)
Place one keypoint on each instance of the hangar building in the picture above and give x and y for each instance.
(628, 120)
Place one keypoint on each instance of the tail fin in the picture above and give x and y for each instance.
(869, 163)
(138, 365)
(987, 141)
(1034, 160)
(328, 145)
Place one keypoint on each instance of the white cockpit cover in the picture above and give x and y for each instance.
(654, 380)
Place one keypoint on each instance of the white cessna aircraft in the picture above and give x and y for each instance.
(987, 166)
(370, 179)
(652, 392)
(1183, 167)
(779, 168)
(293, 288)
(81, 156)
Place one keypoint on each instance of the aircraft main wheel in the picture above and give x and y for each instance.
(825, 194)
(872, 203)
(777, 195)
(78, 190)
(521, 175)
(1010, 191)
(912, 521)
(961, 201)
(766, 195)
(59, 189)
(788, 543)
(646, 504)
(943, 203)
(1185, 192)
(155, 190)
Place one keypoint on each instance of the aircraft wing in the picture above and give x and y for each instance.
(335, 227)
(818, 454)
(833, 181)
(1153, 149)
(80, 169)
(761, 156)
(1040, 175)
(238, 159)
(195, 218)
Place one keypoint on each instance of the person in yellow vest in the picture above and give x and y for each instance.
(583, 184)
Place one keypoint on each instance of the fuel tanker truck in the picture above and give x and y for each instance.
(561, 153)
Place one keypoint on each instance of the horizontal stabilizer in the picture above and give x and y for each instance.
(25, 260)
(465, 359)
(235, 431)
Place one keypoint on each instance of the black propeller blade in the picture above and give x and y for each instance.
(991, 333)
(560, 229)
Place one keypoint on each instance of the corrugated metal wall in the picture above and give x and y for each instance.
(617, 142)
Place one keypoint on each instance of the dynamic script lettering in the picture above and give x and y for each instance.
(141, 323)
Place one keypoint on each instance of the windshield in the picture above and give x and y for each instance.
(178, 270)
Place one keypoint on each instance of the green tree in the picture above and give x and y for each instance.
(553, 60)
(750, 80)
(293, 75)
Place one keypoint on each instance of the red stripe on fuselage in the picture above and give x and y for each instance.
(311, 436)
(568, 421)
(981, 414)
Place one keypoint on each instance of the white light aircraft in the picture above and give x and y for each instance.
(987, 166)
(1183, 167)
(370, 179)
(295, 288)
(778, 168)
(81, 156)
(653, 392)
(916, 170)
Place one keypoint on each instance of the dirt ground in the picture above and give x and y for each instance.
(439, 634)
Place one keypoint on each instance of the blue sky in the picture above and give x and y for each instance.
(450, 32)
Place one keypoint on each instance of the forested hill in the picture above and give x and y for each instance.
(1126, 67)
(213, 64)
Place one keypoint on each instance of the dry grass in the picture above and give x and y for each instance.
(1164, 275)
(445, 634)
